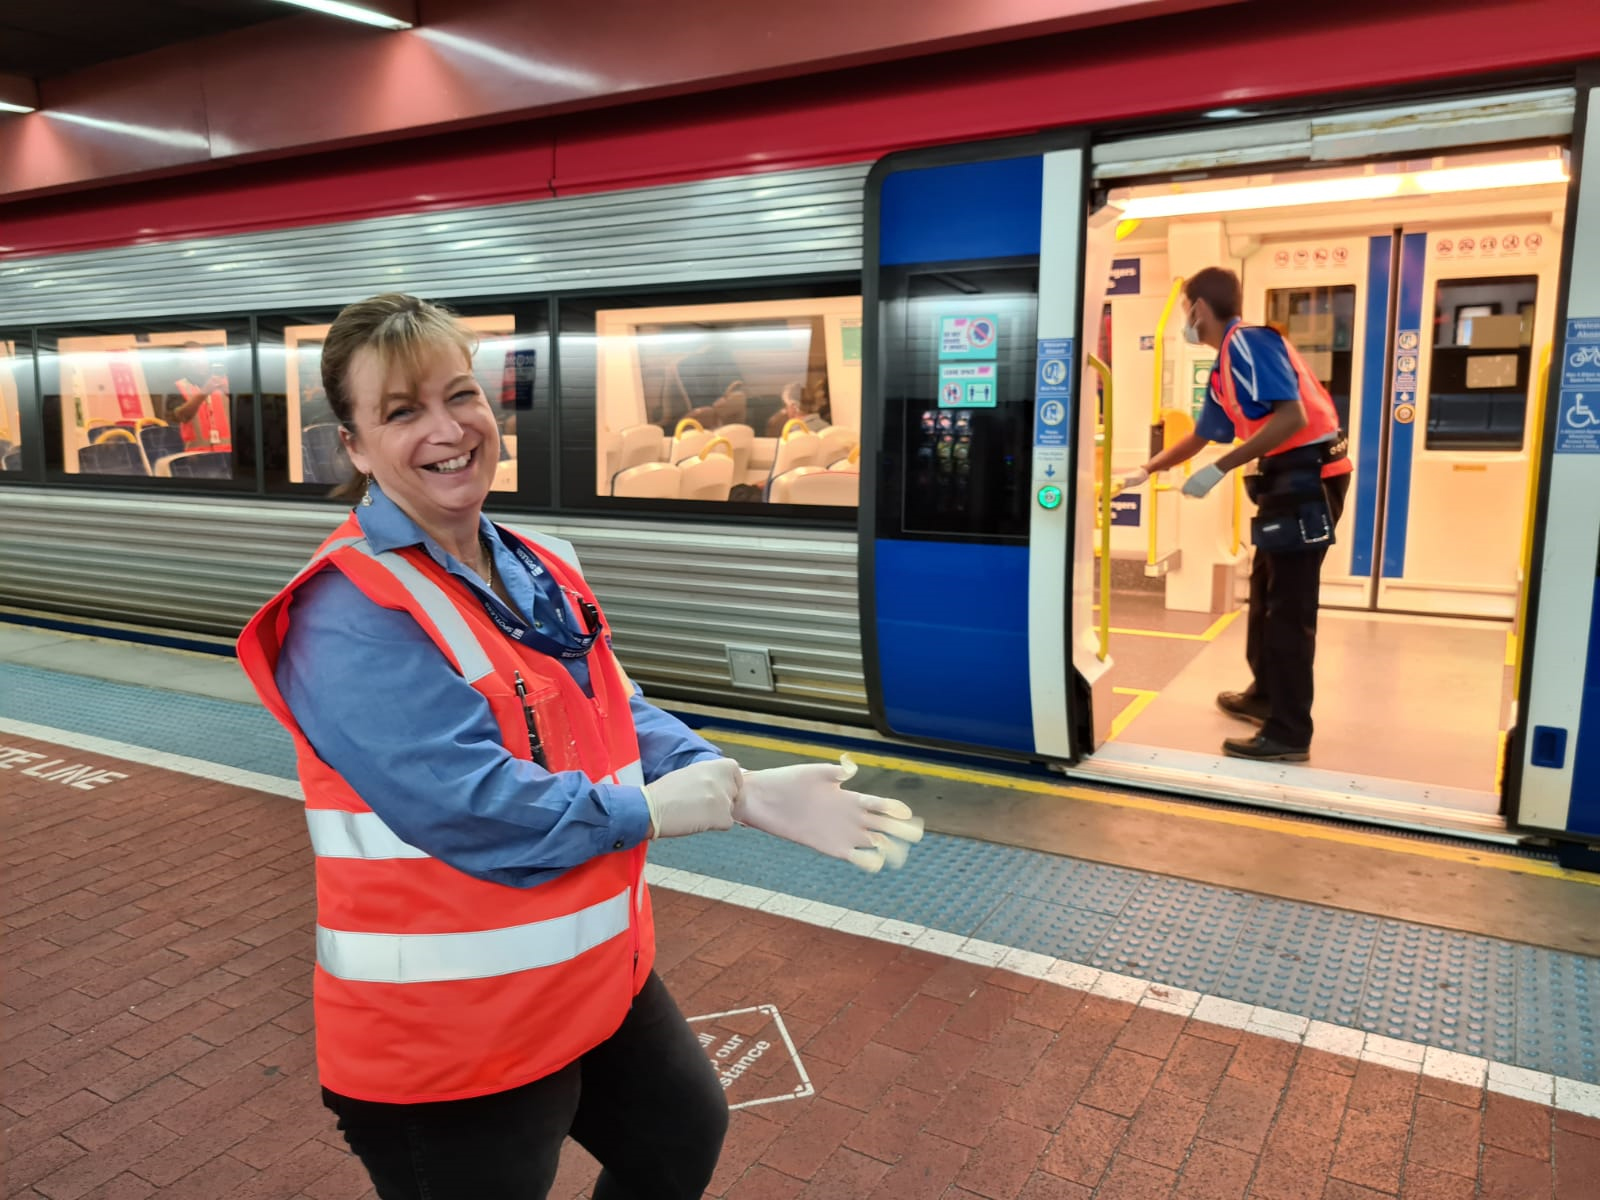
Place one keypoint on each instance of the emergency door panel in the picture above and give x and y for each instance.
(1330, 297)
(1476, 307)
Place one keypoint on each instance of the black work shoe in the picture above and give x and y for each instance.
(1263, 749)
(1243, 706)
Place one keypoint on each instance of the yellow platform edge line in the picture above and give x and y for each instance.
(1241, 817)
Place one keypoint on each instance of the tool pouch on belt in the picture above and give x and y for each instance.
(1294, 514)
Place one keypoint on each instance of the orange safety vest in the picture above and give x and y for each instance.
(431, 984)
(1322, 419)
(208, 429)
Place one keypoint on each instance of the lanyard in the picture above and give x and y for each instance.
(519, 631)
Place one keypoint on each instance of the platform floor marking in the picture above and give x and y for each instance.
(1410, 1057)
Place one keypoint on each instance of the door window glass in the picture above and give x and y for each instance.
(1482, 356)
(1321, 322)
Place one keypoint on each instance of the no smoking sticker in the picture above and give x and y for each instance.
(753, 1056)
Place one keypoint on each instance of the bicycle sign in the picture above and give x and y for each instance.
(1580, 365)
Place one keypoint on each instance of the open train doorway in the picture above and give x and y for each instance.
(1421, 292)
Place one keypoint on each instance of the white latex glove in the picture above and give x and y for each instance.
(693, 799)
(1203, 480)
(805, 804)
(1133, 479)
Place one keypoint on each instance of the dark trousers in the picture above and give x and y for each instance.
(646, 1103)
(1281, 638)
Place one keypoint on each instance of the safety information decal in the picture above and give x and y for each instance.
(1578, 418)
(1053, 402)
(1407, 349)
(969, 337)
(970, 385)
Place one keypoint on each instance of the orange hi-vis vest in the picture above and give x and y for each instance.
(431, 984)
(208, 428)
(1322, 418)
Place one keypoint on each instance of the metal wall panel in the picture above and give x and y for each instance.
(743, 227)
(676, 594)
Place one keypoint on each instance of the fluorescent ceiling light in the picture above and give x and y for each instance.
(6, 106)
(352, 12)
(1333, 191)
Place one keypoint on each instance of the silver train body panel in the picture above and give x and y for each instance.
(678, 593)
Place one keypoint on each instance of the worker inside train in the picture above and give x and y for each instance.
(1262, 394)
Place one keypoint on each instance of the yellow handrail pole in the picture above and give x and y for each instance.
(1535, 442)
(1156, 425)
(1107, 416)
(1238, 501)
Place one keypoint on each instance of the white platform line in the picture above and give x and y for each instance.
(1571, 1095)
(153, 758)
(1410, 1057)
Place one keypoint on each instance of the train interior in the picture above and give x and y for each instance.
(754, 401)
(1422, 293)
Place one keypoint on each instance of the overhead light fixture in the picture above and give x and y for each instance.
(18, 94)
(353, 12)
(1491, 176)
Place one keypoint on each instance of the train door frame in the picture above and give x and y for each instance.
(1359, 133)
(1562, 588)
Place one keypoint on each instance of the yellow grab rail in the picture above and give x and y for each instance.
(1238, 502)
(1157, 428)
(1107, 417)
(1535, 443)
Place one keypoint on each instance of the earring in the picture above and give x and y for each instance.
(366, 494)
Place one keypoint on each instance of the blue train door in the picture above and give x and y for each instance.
(969, 414)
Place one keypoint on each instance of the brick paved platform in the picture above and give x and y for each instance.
(157, 1041)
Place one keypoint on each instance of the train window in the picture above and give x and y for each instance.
(741, 400)
(16, 383)
(303, 449)
(162, 403)
(1482, 360)
(1321, 323)
(960, 355)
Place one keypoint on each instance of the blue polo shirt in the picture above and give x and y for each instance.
(381, 704)
(1263, 377)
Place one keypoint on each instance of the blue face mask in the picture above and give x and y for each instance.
(1190, 333)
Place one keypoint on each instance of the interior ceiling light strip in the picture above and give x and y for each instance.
(351, 12)
(1334, 191)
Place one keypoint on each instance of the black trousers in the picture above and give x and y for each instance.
(1281, 638)
(646, 1103)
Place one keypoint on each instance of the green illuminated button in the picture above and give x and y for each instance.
(1049, 497)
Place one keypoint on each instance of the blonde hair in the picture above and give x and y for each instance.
(401, 330)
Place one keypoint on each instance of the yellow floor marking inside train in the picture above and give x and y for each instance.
(1141, 701)
(1238, 817)
(1511, 648)
(1210, 635)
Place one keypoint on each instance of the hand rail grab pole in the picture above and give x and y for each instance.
(1157, 426)
(1107, 412)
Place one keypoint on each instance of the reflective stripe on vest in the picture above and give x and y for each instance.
(440, 957)
(338, 833)
(458, 637)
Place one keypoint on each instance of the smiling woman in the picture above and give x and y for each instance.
(398, 375)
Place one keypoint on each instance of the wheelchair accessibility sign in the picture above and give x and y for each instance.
(1578, 425)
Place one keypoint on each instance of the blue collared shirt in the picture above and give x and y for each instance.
(382, 706)
(1263, 377)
